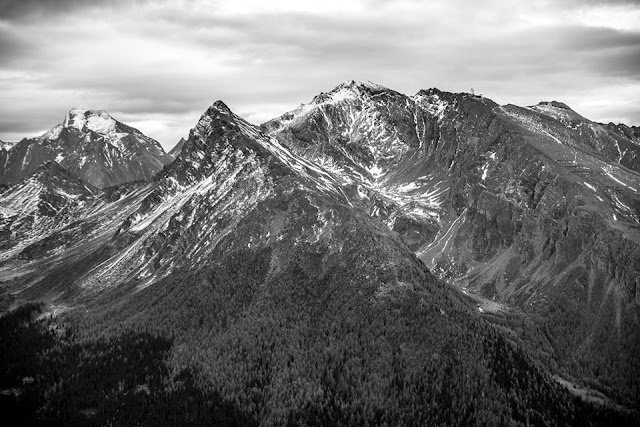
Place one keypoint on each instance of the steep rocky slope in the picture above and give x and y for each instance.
(275, 289)
(617, 143)
(91, 145)
(177, 149)
(439, 158)
(50, 198)
(4, 154)
(339, 205)
(375, 140)
(6, 146)
(537, 207)
(232, 187)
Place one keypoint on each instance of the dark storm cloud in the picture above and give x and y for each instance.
(596, 38)
(617, 62)
(606, 51)
(16, 9)
(12, 45)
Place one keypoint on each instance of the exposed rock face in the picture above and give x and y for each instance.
(177, 149)
(493, 180)
(6, 146)
(90, 144)
(50, 199)
(618, 144)
(537, 207)
(373, 139)
(232, 189)
(526, 205)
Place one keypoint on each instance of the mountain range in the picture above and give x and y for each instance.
(447, 259)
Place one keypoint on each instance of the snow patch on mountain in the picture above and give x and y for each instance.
(591, 187)
(621, 178)
(432, 102)
(561, 112)
(22, 199)
(7, 145)
(96, 120)
(92, 145)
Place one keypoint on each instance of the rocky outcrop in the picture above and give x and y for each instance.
(177, 149)
(48, 200)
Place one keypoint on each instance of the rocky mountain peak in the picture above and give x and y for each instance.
(361, 85)
(7, 145)
(92, 145)
(363, 88)
(556, 104)
(561, 112)
(177, 149)
(434, 101)
(433, 91)
(351, 89)
(98, 121)
(220, 106)
(631, 132)
(437, 94)
(84, 121)
(216, 118)
(218, 133)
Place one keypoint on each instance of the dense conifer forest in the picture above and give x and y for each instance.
(200, 349)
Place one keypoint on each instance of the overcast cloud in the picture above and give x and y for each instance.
(157, 65)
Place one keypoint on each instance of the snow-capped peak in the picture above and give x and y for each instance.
(6, 145)
(434, 101)
(95, 120)
(555, 104)
(366, 84)
(350, 89)
(561, 112)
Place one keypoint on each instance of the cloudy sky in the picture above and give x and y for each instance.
(157, 65)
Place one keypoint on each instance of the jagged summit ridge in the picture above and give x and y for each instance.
(349, 90)
(217, 119)
(177, 149)
(95, 120)
(220, 106)
(92, 145)
(81, 120)
(431, 91)
(226, 169)
(556, 104)
(362, 85)
(6, 146)
(222, 139)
